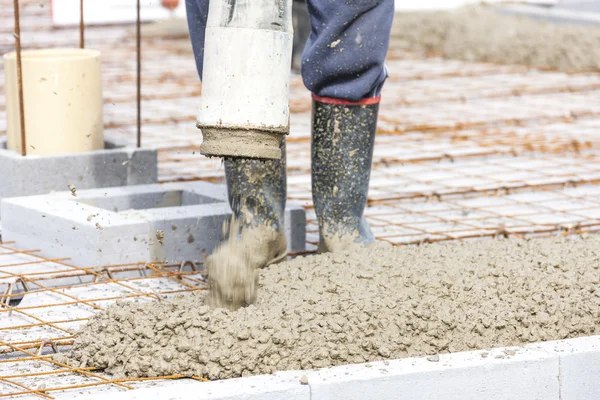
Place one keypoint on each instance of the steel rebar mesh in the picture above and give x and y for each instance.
(464, 151)
(43, 301)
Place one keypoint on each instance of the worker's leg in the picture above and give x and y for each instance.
(344, 67)
(345, 53)
(256, 189)
(197, 14)
(257, 195)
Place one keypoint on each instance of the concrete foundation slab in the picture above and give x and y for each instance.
(159, 222)
(116, 165)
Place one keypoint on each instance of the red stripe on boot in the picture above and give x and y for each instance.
(340, 102)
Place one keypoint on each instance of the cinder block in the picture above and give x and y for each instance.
(116, 165)
(97, 227)
(525, 375)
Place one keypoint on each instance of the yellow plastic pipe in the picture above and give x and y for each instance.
(62, 92)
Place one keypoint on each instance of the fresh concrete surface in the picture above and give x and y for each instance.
(563, 369)
(494, 34)
(579, 5)
(129, 224)
(117, 165)
(577, 13)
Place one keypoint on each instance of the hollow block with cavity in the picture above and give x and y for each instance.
(143, 223)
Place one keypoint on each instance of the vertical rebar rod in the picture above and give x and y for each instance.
(17, 35)
(139, 76)
(81, 26)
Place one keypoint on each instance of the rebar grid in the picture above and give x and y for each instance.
(33, 327)
(17, 35)
(464, 151)
(544, 212)
(477, 198)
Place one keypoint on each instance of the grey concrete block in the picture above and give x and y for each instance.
(129, 224)
(116, 165)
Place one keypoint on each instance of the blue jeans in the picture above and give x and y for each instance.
(344, 57)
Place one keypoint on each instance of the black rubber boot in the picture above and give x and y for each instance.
(257, 191)
(343, 138)
(257, 194)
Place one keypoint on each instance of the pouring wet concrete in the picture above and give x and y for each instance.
(360, 306)
(485, 34)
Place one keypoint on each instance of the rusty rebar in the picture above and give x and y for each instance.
(81, 26)
(139, 75)
(17, 35)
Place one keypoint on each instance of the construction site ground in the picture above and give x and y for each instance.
(464, 151)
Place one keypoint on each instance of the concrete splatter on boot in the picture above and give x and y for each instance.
(343, 138)
(257, 194)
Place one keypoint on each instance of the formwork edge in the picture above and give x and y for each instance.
(563, 369)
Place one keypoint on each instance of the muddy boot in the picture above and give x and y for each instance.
(257, 194)
(343, 137)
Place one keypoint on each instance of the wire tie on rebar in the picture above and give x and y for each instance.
(574, 229)
(576, 145)
(44, 343)
(187, 262)
(101, 274)
(108, 273)
(24, 283)
(97, 274)
(448, 157)
(501, 232)
(435, 195)
(157, 295)
(5, 299)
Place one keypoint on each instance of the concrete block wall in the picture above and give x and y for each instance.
(116, 165)
(557, 370)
